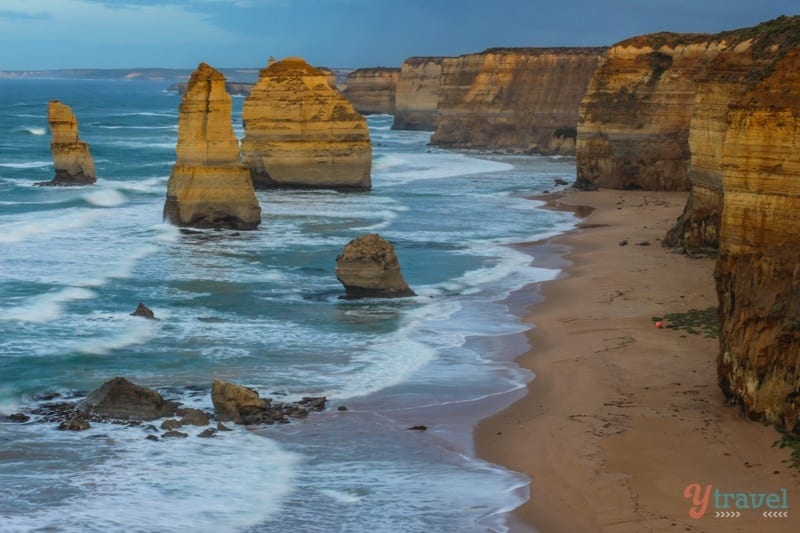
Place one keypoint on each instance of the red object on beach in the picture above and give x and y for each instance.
(659, 324)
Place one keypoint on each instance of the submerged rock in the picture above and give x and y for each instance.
(208, 186)
(368, 268)
(71, 158)
(74, 424)
(300, 132)
(143, 311)
(119, 398)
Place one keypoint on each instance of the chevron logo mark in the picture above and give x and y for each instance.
(727, 514)
(775, 514)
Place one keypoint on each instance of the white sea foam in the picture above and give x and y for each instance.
(405, 168)
(341, 496)
(21, 231)
(133, 484)
(35, 130)
(105, 198)
(28, 164)
(46, 307)
(132, 331)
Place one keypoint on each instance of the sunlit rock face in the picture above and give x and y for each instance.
(300, 132)
(208, 186)
(417, 98)
(758, 272)
(372, 90)
(741, 58)
(71, 157)
(514, 99)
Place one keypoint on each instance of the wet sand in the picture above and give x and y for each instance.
(622, 416)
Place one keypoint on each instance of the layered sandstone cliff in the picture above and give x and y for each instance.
(417, 96)
(299, 132)
(208, 186)
(515, 99)
(758, 273)
(372, 90)
(740, 58)
(633, 126)
(71, 157)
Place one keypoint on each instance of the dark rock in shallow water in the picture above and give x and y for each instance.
(418, 428)
(230, 399)
(175, 434)
(170, 424)
(341, 408)
(223, 427)
(152, 437)
(18, 417)
(193, 417)
(143, 311)
(74, 424)
(208, 433)
(119, 398)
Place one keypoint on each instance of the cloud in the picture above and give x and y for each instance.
(20, 16)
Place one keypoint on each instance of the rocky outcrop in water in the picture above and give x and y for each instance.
(299, 132)
(121, 399)
(758, 274)
(417, 97)
(71, 158)
(208, 186)
(243, 405)
(372, 90)
(368, 268)
(514, 99)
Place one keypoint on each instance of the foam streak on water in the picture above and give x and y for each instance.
(262, 309)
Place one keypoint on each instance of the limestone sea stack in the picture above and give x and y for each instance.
(417, 98)
(514, 99)
(208, 186)
(71, 158)
(372, 90)
(758, 274)
(368, 268)
(300, 132)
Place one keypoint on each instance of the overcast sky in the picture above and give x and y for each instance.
(47, 34)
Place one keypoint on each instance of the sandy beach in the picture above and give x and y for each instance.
(622, 415)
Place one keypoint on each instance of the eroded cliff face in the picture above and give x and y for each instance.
(208, 186)
(742, 59)
(417, 96)
(372, 90)
(515, 99)
(71, 157)
(633, 128)
(758, 271)
(300, 132)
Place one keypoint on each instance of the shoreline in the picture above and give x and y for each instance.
(622, 416)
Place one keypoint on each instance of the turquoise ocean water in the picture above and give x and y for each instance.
(261, 309)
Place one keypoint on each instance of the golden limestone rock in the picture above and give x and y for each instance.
(299, 132)
(740, 59)
(372, 90)
(758, 273)
(71, 158)
(514, 99)
(368, 268)
(208, 186)
(633, 125)
(417, 95)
